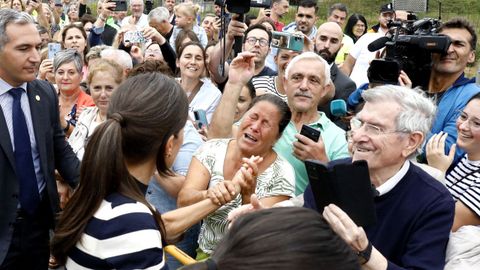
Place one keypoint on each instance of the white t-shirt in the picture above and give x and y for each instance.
(142, 22)
(206, 99)
(363, 57)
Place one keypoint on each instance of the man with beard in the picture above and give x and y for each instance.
(327, 44)
(305, 19)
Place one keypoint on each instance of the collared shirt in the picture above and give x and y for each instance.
(333, 138)
(6, 103)
(394, 180)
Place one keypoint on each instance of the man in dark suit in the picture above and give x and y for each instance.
(328, 42)
(32, 146)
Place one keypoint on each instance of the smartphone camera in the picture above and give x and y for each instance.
(287, 41)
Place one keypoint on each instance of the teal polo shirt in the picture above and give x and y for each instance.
(335, 147)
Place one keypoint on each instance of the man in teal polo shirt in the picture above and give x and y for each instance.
(307, 82)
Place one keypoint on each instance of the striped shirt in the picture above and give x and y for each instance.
(266, 84)
(122, 234)
(464, 183)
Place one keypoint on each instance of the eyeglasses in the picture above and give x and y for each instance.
(369, 129)
(253, 40)
(473, 122)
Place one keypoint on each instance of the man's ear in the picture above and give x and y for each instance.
(471, 57)
(414, 141)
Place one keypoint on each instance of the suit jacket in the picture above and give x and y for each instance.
(54, 151)
(344, 86)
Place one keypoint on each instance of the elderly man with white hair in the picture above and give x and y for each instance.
(138, 19)
(158, 18)
(414, 211)
(306, 83)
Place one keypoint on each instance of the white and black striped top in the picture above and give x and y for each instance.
(266, 84)
(463, 182)
(122, 234)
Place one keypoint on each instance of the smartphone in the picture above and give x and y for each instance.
(346, 185)
(289, 41)
(120, 5)
(134, 37)
(200, 118)
(310, 133)
(53, 49)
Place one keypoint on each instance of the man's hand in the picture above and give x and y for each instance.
(435, 152)
(235, 29)
(242, 68)
(344, 226)
(404, 80)
(153, 34)
(306, 148)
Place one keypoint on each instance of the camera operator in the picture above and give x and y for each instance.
(448, 84)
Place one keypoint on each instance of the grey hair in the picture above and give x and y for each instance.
(121, 57)
(158, 14)
(95, 52)
(68, 56)
(10, 16)
(417, 111)
(310, 56)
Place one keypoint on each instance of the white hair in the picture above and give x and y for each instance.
(120, 57)
(310, 56)
(159, 14)
(418, 111)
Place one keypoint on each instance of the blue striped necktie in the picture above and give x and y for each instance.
(29, 197)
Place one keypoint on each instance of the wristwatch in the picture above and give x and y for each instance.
(364, 255)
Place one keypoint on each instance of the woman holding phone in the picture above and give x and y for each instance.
(202, 93)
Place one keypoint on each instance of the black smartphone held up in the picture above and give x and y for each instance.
(200, 118)
(310, 133)
(348, 186)
(120, 5)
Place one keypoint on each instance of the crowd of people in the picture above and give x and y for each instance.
(124, 131)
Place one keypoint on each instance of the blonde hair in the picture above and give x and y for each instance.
(115, 70)
(187, 9)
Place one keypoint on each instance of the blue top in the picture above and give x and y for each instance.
(413, 221)
(452, 102)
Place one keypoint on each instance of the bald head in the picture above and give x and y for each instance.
(328, 41)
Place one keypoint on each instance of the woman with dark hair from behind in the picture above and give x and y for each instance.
(356, 26)
(109, 208)
(259, 241)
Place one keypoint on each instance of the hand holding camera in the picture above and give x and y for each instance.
(236, 29)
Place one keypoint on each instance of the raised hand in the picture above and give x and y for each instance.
(435, 152)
